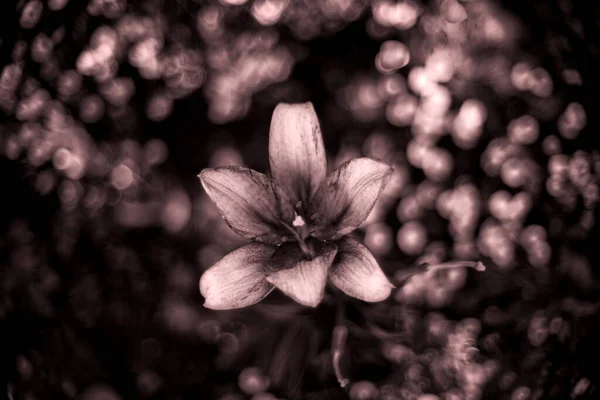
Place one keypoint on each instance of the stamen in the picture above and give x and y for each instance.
(477, 265)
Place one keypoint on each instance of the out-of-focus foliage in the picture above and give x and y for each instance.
(484, 108)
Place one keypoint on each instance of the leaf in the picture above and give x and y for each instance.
(296, 151)
(238, 279)
(252, 204)
(301, 279)
(356, 272)
(346, 197)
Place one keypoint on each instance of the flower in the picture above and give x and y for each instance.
(298, 220)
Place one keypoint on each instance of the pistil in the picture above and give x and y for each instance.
(300, 238)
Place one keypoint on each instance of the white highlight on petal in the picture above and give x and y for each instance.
(251, 203)
(347, 196)
(305, 280)
(357, 273)
(238, 279)
(296, 151)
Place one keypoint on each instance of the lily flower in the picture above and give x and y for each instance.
(297, 219)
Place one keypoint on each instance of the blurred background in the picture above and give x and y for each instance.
(486, 110)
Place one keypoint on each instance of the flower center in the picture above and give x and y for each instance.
(300, 232)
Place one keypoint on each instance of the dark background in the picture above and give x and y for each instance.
(89, 304)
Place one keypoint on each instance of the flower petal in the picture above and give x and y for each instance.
(347, 196)
(238, 279)
(296, 151)
(356, 272)
(252, 204)
(301, 279)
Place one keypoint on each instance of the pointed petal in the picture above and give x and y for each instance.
(303, 280)
(238, 279)
(252, 204)
(356, 272)
(296, 151)
(347, 196)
